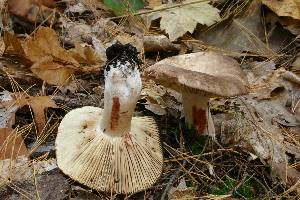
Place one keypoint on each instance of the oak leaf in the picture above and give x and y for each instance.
(37, 104)
(179, 20)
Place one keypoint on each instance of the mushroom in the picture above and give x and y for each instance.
(108, 149)
(199, 77)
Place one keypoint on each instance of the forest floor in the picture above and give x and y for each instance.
(52, 55)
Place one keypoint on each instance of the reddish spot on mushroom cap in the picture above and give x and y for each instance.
(199, 119)
(115, 114)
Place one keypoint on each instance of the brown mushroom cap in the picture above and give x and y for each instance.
(203, 71)
(112, 164)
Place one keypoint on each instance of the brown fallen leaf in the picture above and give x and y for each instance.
(34, 10)
(11, 141)
(52, 72)
(16, 49)
(53, 63)
(86, 54)
(37, 104)
(40, 46)
(255, 130)
(12, 144)
(154, 3)
(238, 34)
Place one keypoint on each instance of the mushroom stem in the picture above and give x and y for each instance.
(122, 90)
(197, 112)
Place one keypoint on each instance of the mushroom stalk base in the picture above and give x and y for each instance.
(197, 112)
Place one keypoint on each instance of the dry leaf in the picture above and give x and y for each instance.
(125, 38)
(89, 55)
(41, 46)
(154, 3)
(22, 169)
(257, 132)
(17, 48)
(52, 72)
(37, 104)
(34, 10)
(245, 33)
(158, 43)
(11, 143)
(77, 8)
(287, 8)
(182, 191)
(162, 101)
(177, 21)
(53, 63)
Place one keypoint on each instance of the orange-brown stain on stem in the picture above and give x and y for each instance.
(115, 114)
(199, 119)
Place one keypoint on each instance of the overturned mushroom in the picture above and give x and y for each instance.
(106, 149)
(199, 77)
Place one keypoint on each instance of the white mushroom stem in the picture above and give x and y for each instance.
(197, 112)
(122, 90)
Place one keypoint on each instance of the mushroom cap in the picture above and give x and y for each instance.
(111, 164)
(207, 72)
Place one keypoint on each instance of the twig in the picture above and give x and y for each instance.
(171, 181)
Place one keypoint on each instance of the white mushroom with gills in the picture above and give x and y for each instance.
(199, 77)
(108, 149)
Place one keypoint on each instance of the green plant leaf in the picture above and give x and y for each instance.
(124, 6)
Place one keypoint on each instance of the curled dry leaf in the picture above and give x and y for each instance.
(16, 49)
(162, 101)
(87, 55)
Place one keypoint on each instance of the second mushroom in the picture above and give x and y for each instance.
(199, 77)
